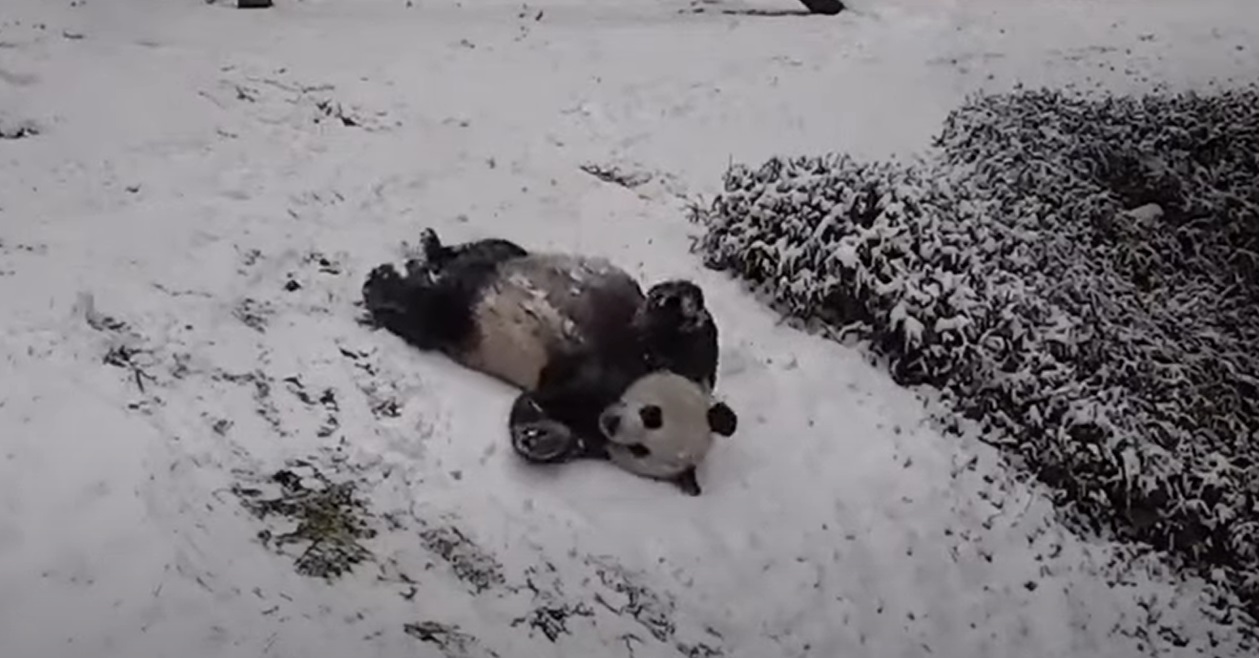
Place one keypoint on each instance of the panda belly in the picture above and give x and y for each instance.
(540, 306)
(516, 336)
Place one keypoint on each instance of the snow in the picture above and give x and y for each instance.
(191, 159)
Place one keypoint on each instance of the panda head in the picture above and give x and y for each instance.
(662, 427)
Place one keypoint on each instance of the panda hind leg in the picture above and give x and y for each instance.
(384, 292)
(408, 307)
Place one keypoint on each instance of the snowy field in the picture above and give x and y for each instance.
(190, 195)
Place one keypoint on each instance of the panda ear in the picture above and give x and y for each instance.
(722, 419)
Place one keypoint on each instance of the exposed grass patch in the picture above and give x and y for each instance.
(325, 521)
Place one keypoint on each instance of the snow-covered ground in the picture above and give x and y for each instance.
(190, 195)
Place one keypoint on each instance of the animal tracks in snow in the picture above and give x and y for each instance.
(648, 185)
(274, 98)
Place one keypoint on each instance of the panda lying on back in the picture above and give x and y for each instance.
(605, 371)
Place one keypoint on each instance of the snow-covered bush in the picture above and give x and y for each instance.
(1080, 274)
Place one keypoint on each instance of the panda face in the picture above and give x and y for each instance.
(663, 425)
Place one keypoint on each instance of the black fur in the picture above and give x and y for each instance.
(687, 482)
(428, 315)
(722, 419)
(538, 438)
(670, 340)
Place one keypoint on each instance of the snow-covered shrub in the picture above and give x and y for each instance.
(1081, 275)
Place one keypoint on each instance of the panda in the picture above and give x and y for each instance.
(604, 370)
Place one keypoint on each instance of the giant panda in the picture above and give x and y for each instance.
(605, 371)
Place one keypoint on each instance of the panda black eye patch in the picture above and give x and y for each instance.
(651, 416)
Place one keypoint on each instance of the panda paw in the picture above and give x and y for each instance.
(425, 258)
(380, 291)
(687, 482)
(542, 441)
(430, 244)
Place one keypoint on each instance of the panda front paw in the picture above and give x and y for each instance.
(542, 441)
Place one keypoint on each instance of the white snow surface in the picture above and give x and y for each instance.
(179, 179)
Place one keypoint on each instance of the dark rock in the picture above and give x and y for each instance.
(824, 7)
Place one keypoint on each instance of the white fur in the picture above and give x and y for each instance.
(516, 327)
(531, 311)
(684, 437)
